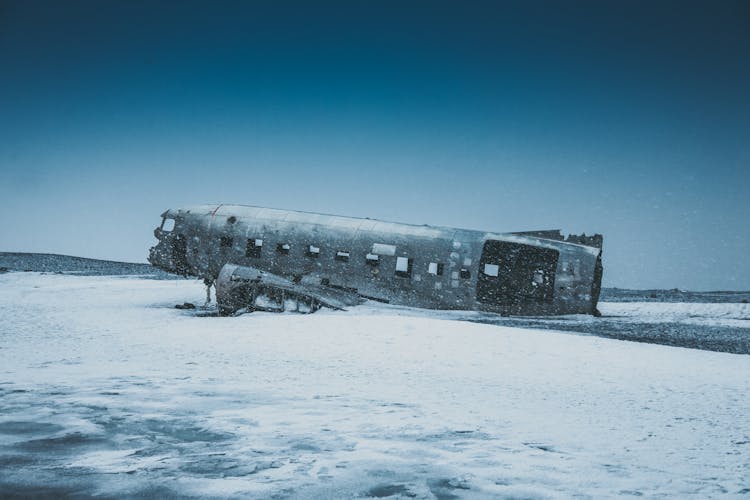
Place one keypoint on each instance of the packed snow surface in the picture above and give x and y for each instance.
(107, 389)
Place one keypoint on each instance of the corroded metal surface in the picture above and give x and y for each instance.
(531, 273)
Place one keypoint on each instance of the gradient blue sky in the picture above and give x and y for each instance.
(631, 119)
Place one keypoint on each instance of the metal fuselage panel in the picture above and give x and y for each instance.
(418, 266)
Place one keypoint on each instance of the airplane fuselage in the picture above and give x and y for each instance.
(420, 266)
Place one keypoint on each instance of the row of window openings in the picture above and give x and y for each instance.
(404, 265)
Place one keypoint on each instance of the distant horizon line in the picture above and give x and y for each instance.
(145, 263)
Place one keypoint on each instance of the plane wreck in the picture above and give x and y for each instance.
(269, 259)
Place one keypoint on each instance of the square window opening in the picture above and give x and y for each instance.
(342, 256)
(167, 225)
(404, 266)
(435, 268)
(372, 259)
(313, 251)
(492, 269)
(226, 241)
(254, 248)
(283, 248)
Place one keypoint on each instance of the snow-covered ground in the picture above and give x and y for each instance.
(106, 389)
(717, 314)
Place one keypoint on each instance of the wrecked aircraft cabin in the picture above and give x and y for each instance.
(269, 259)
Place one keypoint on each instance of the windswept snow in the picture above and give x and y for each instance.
(106, 389)
(715, 314)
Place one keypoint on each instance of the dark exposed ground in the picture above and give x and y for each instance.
(706, 337)
(714, 338)
(673, 295)
(65, 264)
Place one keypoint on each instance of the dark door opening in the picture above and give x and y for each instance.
(179, 255)
(511, 274)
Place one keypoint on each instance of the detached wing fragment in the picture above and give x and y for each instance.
(244, 288)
